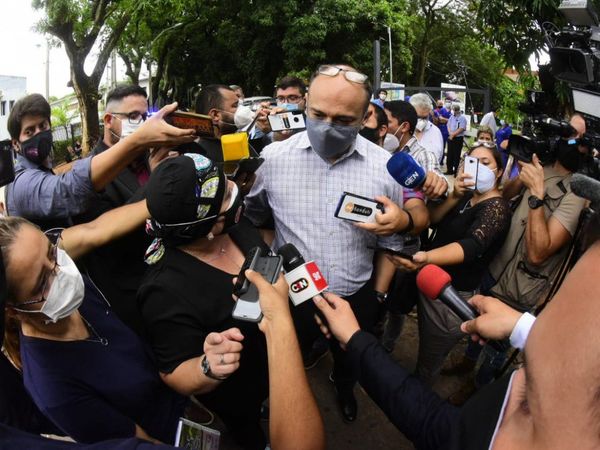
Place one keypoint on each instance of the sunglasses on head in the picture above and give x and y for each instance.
(351, 75)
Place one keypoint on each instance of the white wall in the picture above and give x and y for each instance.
(12, 89)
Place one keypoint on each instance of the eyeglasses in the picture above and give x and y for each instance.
(288, 99)
(485, 144)
(134, 117)
(351, 75)
(48, 276)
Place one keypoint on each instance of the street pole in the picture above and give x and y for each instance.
(48, 70)
(390, 45)
(376, 65)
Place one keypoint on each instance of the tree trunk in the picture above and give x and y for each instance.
(87, 97)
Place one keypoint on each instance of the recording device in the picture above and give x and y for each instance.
(188, 120)
(291, 120)
(471, 168)
(247, 306)
(357, 209)
(588, 188)
(406, 171)
(391, 251)
(305, 280)
(574, 59)
(435, 283)
(7, 163)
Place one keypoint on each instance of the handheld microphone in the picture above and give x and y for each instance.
(435, 282)
(588, 188)
(406, 171)
(304, 278)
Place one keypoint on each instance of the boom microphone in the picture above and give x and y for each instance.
(304, 278)
(588, 188)
(435, 282)
(406, 171)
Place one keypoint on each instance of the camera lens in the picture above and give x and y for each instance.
(296, 119)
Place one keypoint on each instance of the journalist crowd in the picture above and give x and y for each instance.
(117, 275)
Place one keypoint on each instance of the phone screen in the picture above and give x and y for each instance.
(471, 168)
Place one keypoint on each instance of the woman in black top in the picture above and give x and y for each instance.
(187, 292)
(470, 227)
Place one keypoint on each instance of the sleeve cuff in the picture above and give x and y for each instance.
(518, 337)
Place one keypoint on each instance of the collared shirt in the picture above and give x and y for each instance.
(456, 122)
(38, 194)
(301, 192)
(431, 138)
(427, 159)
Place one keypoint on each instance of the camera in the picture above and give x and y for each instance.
(575, 60)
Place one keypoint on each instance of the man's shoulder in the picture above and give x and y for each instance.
(282, 149)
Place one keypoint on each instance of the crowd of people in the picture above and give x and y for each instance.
(117, 276)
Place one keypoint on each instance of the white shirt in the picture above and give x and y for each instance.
(490, 120)
(301, 192)
(431, 138)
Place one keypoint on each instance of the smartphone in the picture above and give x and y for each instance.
(291, 120)
(199, 122)
(357, 208)
(401, 254)
(471, 168)
(247, 166)
(247, 306)
(7, 163)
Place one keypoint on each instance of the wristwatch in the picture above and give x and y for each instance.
(535, 202)
(381, 296)
(206, 370)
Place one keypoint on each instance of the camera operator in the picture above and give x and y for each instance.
(529, 408)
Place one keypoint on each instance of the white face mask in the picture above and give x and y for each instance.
(128, 128)
(391, 143)
(243, 116)
(421, 124)
(486, 179)
(67, 290)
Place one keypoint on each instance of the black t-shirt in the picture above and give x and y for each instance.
(480, 230)
(182, 300)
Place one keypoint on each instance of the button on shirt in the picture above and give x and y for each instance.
(456, 122)
(301, 191)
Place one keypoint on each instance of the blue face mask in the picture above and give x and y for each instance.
(289, 106)
(329, 140)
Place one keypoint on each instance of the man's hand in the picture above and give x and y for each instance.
(394, 219)
(341, 321)
(223, 351)
(408, 265)
(435, 185)
(496, 321)
(532, 176)
(245, 181)
(155, 132)
(262, 123)
(158, 155)
(273, 300)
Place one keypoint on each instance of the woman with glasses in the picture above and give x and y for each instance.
(469, 228)
(86, 371)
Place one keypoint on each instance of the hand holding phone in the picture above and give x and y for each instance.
(399, 253)
(291, 120)
(357, 208)
(471, 168)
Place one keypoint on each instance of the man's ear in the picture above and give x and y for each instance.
(215, 115)
(16, 145)
(107, 119)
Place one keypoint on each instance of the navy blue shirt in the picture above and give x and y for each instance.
(96, 390)
(443, 112)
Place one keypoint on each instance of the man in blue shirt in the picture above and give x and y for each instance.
(502, 136)
(457, 125)
(440, 118)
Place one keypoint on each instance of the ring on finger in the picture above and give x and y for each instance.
(222, 359)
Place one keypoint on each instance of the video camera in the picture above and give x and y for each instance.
(574, 59)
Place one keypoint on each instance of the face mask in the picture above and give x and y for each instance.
(382, 97)
(67, 290)
(226, 127)
(370, 134)
(234, 211)
(391, 143)
(486, 179)
(329, 140)
(243, 116)
(421, 124)
(289, 106)
(37, 148)
(128, 128)
(568, 155)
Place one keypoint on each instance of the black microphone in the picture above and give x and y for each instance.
(588, 188)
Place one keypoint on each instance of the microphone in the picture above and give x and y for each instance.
(304, 278)
(406, 171)
(435, 282)
(588, 188)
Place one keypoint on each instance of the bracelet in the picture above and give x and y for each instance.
(410, 225)
(381, 296)
(205, 366)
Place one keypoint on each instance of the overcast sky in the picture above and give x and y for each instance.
(23, 51)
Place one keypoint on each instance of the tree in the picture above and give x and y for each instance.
(62, 117)
(79, 25)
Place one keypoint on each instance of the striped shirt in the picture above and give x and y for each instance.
(301, 192)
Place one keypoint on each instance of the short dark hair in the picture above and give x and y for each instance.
(125, 90)
(403, 112)
(30, 105)
(379, 91)
(366, 85)
(288, 82)
(380, 115)
(210, 97)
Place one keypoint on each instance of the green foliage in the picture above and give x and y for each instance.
(61, 116)
(60, 151)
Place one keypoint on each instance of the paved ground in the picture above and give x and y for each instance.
(371, 430)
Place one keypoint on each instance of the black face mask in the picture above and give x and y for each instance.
(568, 155)
(37, 148)
(370, 134)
